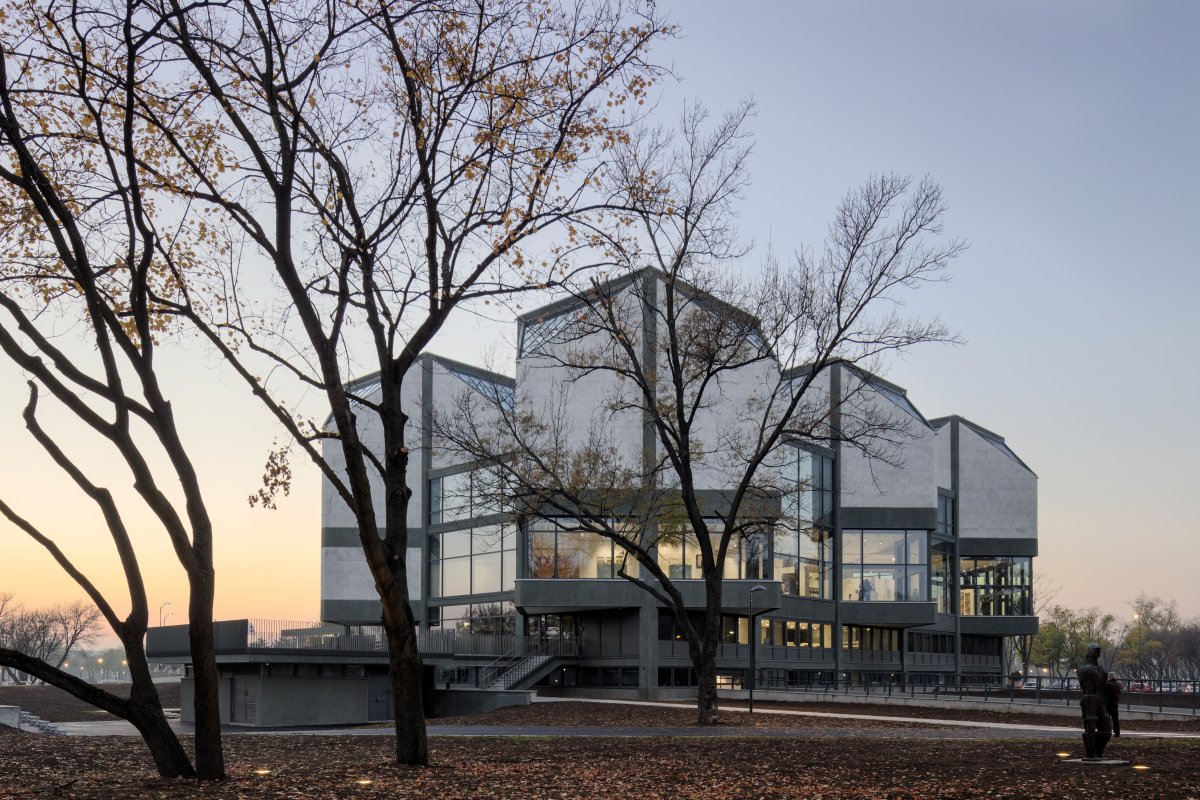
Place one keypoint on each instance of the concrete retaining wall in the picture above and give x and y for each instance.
(10, 716)
(456, 702)
(998, 706)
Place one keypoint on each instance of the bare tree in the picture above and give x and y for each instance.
(92, 235)
(1044, 592)
(720, 370)
(46, 634)
(389, 163)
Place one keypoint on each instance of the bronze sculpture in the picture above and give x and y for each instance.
(1097, 727)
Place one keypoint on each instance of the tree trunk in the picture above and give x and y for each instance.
(705, 660)
(405, 670)
(210, 761)
(143, 708)
(170, 759)
(146, 714)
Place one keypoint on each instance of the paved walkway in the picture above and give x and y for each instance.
(923, 728)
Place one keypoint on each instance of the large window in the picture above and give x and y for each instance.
(463, 496)
(945, 516)
(561, 549)
(477, 560)
(803, 544)
(999, 586)
(795, 633)
(680, 557)
(498, 618)
(941, 575)
(878, 640)
(885, 565)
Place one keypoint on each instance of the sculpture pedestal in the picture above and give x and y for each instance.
(1102, 762)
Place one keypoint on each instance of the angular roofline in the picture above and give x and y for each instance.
(985, 433)
(488, 375)
(871, 376)
(561, 306)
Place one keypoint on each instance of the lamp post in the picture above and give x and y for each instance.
(160, 614)
(753, 642)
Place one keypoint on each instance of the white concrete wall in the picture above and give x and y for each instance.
(579, 404)
(344, 572)
(942, 458)
(910, 482)
(997, 497)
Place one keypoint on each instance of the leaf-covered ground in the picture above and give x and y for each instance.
(89, 768)
(611, 715)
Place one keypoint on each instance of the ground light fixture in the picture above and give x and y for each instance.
(1140, 767)
(364, 781)
(262, 771)
(1063, 755)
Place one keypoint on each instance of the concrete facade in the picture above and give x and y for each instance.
(962, 500)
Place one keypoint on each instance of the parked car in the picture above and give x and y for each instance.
(1141, 686)
(1030, 683)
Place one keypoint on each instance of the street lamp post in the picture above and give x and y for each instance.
(160, 614)
(753, 643)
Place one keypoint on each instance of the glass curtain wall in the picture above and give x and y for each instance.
(560, 548)
(476, 560)
(941, 559)
(803, 543)
(1000, 586)
(885, 565)
(680, 557)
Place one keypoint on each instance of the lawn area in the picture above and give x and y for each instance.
(88, 768)
(55, 705)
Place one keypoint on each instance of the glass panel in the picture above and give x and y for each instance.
(805, 486)
(754, 555)
(485, 492)
(918, 544)
(883, 547)
(486, 539)
(435, 501)
(508, 561)
(541, 552)
(485, 573)
(456, 543)
(456, 576)
(810, 579)
(873, 583)
(732, 556)
(582, 554)
(918, 577)
(851, 547)
(811, 542)
(670, 554)
(623, 559)
(435, 578)
(447, 616)
(787, 572)
(456, 497)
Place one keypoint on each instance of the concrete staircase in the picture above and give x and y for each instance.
(31, 722)
(526, 668)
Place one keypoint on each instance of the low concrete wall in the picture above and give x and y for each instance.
(998, 706)
(457, 702)
(286, 702)
(187, 699)
(10, 716)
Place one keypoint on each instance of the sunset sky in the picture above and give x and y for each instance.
(1065, 137)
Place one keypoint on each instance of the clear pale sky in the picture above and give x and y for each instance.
(1065, 136)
